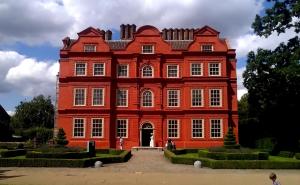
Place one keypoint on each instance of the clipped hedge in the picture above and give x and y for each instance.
(10, 145)
(12, 153)
(67, 155)
(297, 156)
(232, 164)
(233, 156)
(73, 163)
(286, 154)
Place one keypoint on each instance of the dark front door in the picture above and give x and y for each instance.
(146, 134)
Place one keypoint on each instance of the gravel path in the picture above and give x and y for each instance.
(145, 167)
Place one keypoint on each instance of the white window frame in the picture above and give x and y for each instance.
(89, 50)
(191, 69)
(205, 50)
(177, 75)
(73, 127)
(74, 97)
(127, 69)
(221, 128)
(152, 71)
(85, 69)
(103, 96)
(178, 100)
(202, 98)
(178, 128)
(192, 128)
(219, 66)
(221, 95)
(94, 69)
(102, 127)
(152, 49)
(126, 97)
(117, 136)
(152, 98)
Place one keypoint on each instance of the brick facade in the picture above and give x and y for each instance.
(89, 114)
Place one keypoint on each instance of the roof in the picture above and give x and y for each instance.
(3, 114)
(117, 44)
(179, 44)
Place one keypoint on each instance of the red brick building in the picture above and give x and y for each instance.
(175, 83)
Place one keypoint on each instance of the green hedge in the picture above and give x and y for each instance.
(67, 155)
(286, 154)
(12, 153)
(297, 156)
(10, 145)
(232, 164)
(80, 163)
(233, 156)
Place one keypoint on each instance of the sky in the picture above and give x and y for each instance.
(31, 34)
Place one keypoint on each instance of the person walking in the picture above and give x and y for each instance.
(273, 177)
(121, 142)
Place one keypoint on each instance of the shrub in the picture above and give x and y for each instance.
(230, 139)
(297, 156)
(267, 144)
(102, 151)
(10, 145)
(41, 134)
(287, 154)
(12, 153)
(61, 139)
(67, 155)
(47, 149)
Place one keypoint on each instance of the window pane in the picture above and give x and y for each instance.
(196, 69)
(172, 71)
(147, 71)
(97, 127)
(173, 98)
(98, 69)
(173, 129)
(207, 48)
(78, 128)
(214, 69)
(196, 97)
(148, 49)
(197, 128)
(89, 48)
(121, 128)
(215, 128)
(98, 97)
(121, 97)
(80, 69)
(122, 70)
(79, 97)
(147, 99)
(215, 97)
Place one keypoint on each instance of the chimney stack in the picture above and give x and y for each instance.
(127, 31)
(175, 34)
(122, 31)
(108, 35)
(164, 34)
(186, 34)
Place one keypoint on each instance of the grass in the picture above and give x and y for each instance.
(104, 155)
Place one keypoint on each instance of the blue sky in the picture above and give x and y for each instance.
(30, 42)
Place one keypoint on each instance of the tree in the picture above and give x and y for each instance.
(230, 140)
(39, 112)
(282, 15)
(272, 77)
(61, 139)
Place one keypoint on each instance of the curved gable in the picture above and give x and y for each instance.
(147, 30)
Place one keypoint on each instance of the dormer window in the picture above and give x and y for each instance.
(147, 49)
(89, 48)
(207, 48)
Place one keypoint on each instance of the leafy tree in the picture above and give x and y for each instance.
(61, 139)
(272, 77)
(282, 15)
(39, 112)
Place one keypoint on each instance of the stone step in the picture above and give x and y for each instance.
(136, 148)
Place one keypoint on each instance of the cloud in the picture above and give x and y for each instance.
(33, 22)
(251, 42)
(241, 90)
(26, 75)
(49, 21)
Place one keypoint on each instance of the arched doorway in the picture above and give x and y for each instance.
(146, 132)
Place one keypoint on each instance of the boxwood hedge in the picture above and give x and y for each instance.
(67, 155)
(46, 162)
(12, 153)
(231, 164)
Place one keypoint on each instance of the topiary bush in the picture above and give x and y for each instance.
(12, 153)
(267, 144)
(230, 139)
(297, 156)
(61, 139)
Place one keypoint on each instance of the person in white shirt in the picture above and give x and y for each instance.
(273, 177)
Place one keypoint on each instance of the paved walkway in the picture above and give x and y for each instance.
(144, 168)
